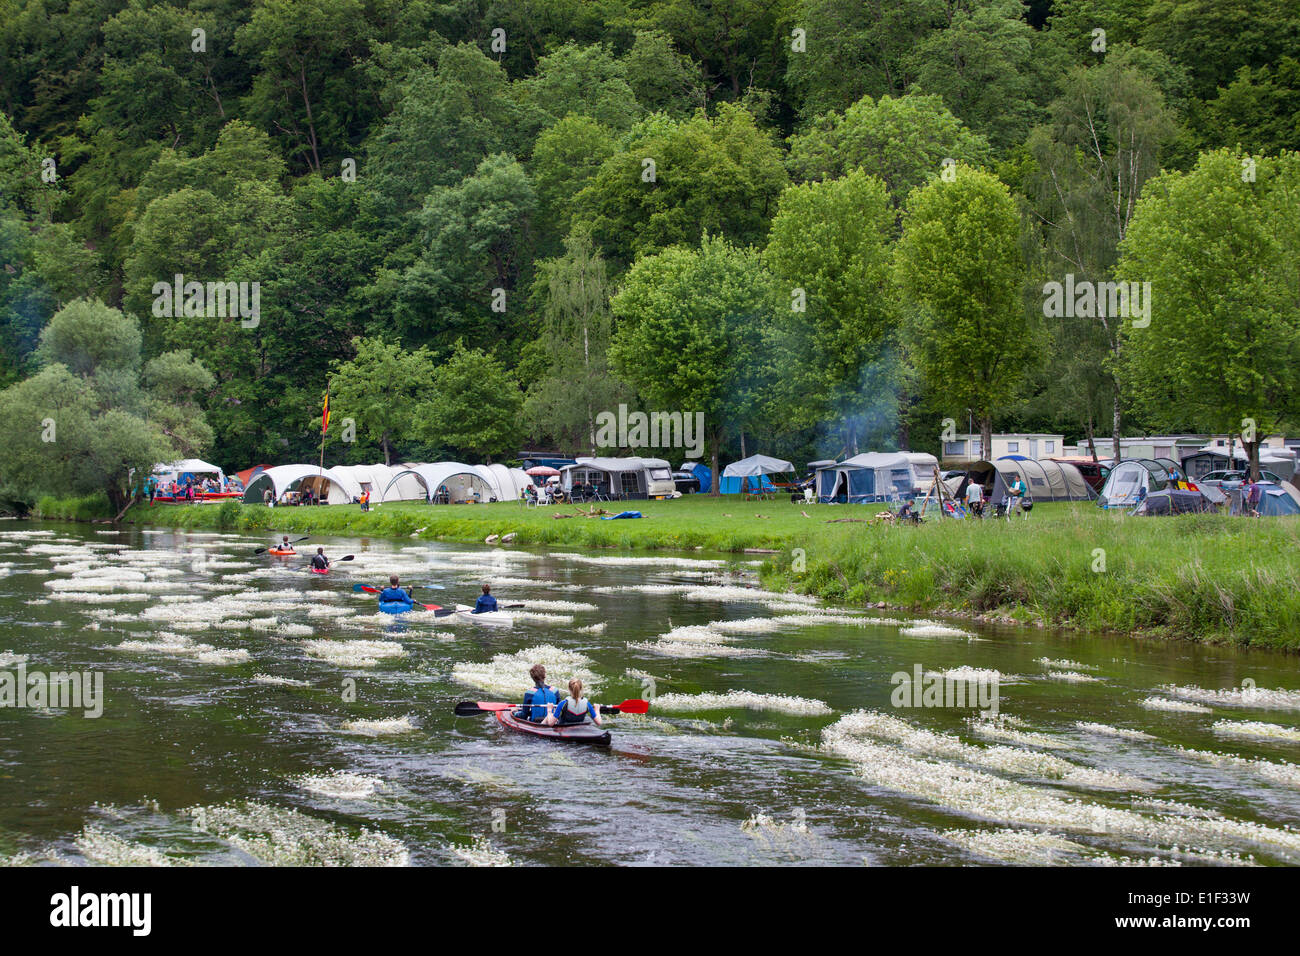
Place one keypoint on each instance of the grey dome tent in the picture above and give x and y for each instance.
(1148, 487)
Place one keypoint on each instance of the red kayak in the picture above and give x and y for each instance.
(319, 570)
(585, 733)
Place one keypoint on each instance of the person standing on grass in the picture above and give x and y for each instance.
(1252, 497)
(1017, 491)
(975, 498)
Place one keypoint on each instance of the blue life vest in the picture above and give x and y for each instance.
(535, 701)
(396, 595)
(485, 602)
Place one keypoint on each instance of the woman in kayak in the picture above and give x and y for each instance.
(575, 709)
(395, 594)
(541, 700)
(486, 602)
(319, 561)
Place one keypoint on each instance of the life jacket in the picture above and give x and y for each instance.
(567, 716)
(542, 696)
(395, 594)
(485, 602)
(319, 561)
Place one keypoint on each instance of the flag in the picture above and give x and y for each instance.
(325, 415)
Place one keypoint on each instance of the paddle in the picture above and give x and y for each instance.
(448, 610)
(359, 587)
(471, 708)
(264, 550)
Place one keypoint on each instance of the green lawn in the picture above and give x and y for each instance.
(1197, 577)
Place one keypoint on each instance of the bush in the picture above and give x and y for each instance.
(228, 513)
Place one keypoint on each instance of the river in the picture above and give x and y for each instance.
(255, 713)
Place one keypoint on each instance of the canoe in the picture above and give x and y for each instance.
(396, 607)
(587, 733)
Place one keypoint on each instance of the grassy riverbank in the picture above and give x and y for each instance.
(1195, 577)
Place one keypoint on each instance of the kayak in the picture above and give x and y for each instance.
(281, 552)
(487, 617)
(396, 607)
(587, 733)
(319, 570)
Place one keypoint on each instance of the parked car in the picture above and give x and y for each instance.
(1217, 478)
(686, 482)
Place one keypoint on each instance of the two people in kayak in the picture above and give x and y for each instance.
(542, 704)
(396, 595)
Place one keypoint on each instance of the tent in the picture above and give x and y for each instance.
(329, 485)
(1045, 479)
(443, 482)
(178, 471)
(874, 476)
(750, 474)
(702, 473)
(1135, 480)
(1179, 497)
(248, 474)
(621, 477)
(1274, 499)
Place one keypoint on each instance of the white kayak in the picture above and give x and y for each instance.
(500, 618)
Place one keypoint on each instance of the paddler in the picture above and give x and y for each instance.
(396, 594)
(575, 709)
(319, 561)
(287, 545)
(486, 602)
(541, 700)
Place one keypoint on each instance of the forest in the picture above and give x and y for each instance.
(828, 225)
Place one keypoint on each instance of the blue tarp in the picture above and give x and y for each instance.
(733, 486)
(702, 472)
(622, 514)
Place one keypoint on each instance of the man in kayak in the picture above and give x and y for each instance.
(395, 594)
(287, 545)
(319, 561)
(575, 709)
(486, 602)
(541, 700)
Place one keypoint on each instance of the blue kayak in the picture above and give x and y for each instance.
(622, 514)
(395, 607)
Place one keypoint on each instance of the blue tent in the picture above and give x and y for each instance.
(702, 472)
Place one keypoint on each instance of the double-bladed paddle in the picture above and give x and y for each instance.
(472, 708)
(443, 612)
(358, 587)
(264, 550)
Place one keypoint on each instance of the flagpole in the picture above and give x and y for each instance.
(324, 427)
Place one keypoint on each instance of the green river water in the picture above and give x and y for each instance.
(254, 713)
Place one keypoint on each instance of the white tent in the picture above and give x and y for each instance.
(449, 481)
(331, 486)
(874, 476)
(174, 470)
